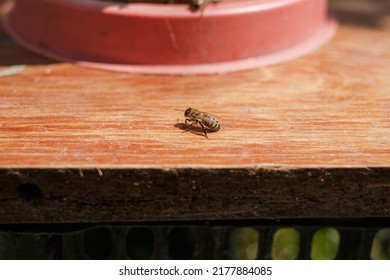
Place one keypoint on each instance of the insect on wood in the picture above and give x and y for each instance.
(205, 120)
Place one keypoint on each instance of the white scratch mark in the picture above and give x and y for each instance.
(100, 172)
(12, 70)
(171, 34)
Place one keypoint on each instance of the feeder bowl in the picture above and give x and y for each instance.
(170, 39)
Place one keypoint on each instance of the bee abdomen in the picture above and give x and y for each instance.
(211, 123)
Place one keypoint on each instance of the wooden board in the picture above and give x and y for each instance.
(326, 113)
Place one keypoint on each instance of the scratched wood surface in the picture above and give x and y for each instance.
(329, 110)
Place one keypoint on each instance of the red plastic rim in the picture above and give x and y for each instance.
(170, 39)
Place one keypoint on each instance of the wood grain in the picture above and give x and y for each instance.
(329, 110)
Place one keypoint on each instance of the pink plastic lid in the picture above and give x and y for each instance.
(170, 39)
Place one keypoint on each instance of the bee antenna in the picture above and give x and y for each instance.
(179, 110)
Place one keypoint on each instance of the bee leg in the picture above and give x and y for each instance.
(190, 126)
(204, 130)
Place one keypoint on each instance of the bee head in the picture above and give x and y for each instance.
(187, 112)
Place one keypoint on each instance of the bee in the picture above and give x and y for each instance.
(200, 4)
(195, 4)
(205, 120)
